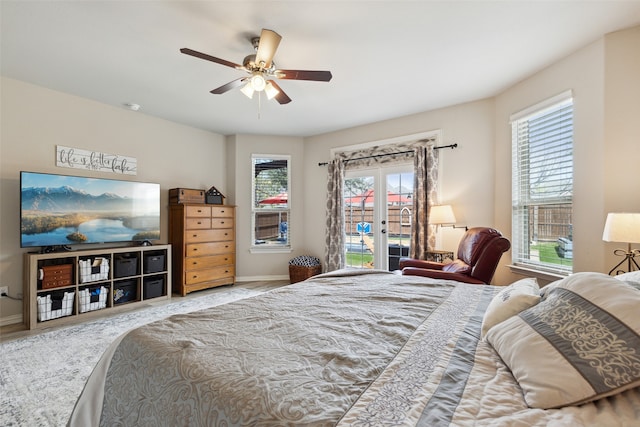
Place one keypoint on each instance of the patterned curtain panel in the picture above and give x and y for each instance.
(425, 178)
(334, 256)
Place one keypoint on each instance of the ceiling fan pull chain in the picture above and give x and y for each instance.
(259, 104)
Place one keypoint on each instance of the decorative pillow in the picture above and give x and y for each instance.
(510, 301)
(544, 291)
(580, 343)
(632, 278)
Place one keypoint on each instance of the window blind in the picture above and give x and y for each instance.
(542, 192)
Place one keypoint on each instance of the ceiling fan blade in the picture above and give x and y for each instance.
(269, 41)
(319, 76)
(206, 57)
(231, 85)
(281, 97)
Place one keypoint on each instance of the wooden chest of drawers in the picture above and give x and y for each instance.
(204, 250)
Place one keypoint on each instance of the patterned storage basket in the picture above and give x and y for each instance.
(303, 267)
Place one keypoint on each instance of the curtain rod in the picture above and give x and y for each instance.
(452, 146)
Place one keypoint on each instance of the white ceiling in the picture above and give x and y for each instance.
(388, 58)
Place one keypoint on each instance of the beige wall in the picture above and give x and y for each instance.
(475, 177)
(583, 73)
(467, 172)
(621, 127)
(606, 87)
(261, 265)
(34, 120)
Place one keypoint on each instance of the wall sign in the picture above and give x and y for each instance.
(77, 158)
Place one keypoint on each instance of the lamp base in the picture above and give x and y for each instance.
(629, 257)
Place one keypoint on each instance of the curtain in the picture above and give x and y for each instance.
(335, 257)
(425, 195)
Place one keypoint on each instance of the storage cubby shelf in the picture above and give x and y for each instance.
(75, 286)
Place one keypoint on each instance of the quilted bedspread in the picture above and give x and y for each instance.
(357, 348)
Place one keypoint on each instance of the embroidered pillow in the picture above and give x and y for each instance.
(510, 301)
(580, 343)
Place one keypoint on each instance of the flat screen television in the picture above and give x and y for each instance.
(63, 210)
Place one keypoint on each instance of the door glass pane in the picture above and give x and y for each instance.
(399, 205)
(359, 224)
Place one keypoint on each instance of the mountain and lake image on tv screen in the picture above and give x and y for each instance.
(60, 210)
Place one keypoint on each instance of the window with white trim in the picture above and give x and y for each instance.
(542, 186)
(271, 201)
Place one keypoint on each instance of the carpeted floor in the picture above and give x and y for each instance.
(41, 376)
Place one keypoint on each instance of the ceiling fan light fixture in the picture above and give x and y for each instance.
(258, 82)
(248, 90)
(270, 90)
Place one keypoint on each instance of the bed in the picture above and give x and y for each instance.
(366, 348)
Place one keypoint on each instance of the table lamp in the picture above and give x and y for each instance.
(623, 227)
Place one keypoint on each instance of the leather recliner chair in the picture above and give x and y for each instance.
(479, 252)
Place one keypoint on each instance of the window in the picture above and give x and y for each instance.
(542, 192)
(271, 201)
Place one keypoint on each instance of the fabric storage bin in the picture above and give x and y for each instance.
(153, 287)
(153, 263)
(54, 305)
(125, 291)
(92, 298)
(94, 269)
(125, 265)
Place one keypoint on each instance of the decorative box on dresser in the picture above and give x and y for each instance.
(203, 243)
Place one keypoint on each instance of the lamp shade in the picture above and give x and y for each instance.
(622, 227)
(441, 214)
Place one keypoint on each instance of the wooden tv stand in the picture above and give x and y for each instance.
(135, 276)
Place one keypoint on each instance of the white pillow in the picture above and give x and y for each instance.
(510, 301)
(632, 278)
(544, 291)
(579, 344)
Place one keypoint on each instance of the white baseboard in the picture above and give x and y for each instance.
(261, 278)
(11, 320)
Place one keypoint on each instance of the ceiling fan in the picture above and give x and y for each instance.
(261, 69)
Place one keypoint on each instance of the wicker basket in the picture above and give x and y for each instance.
(298, 273)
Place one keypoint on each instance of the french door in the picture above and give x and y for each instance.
(378, 205)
